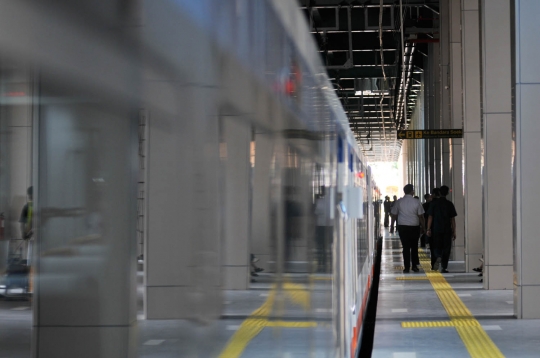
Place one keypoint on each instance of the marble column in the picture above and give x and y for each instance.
(456, 107)
(497, 143)
(470, 40)
(444, 73)
(526, 161)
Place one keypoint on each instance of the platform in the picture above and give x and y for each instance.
(429, 314)
(262, 322)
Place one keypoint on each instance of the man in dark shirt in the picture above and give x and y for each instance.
(442, 228)
(394, 217)
(425, 205)
(387, 208)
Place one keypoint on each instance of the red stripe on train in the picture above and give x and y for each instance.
(356, 330)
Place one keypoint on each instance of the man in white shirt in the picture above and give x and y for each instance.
(410, 225)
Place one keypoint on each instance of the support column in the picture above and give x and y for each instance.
(405, 162)
(236, 136)
(470, 37)
(85, 302)
(445, 87)
(428, 147)
(456, 104)
(526, 77)
(184, 242)
(261, 228)
(497, 143)
(435, 120)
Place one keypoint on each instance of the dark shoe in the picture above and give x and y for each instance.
(406, 271)
(477, 269)
(480, 274)
(444, 271)
(437, 264)
(258, 269)
(254, 274)
(415, 269)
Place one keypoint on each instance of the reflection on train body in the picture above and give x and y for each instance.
(203, 141)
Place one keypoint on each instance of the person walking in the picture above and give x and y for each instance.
(387, 207)
(441, 227)
(410, 216)
(425, 205)
(394, 217)
(435, 195)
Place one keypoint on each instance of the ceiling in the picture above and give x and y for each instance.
(367, 71)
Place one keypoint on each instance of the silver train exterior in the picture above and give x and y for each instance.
(190, 134)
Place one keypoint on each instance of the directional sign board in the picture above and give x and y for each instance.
(430, 134)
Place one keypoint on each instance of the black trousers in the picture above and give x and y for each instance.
(443, 246)
(393, 222)
(409, 236)
(386, 219)
(432, 249)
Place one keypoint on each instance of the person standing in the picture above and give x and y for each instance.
(394, 217)
(387, 207)
(410, 216)
(442, 228)
(26, 224)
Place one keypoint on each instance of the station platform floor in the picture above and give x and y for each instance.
(430, 314)
(261, 322)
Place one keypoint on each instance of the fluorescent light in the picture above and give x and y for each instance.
(370, 93)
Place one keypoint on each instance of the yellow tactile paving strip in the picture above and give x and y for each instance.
(411, 278)
(472, 334)
(259, 319)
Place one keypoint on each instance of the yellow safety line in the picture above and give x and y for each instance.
(287, 324)
(411, 278)
(322, 278)
(298, 294)
(249, 329)
(472, 334)
(258, 320)
(431, 324)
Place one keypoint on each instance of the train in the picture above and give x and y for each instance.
(203, 140)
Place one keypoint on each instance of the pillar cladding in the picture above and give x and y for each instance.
(444, 72)
(183, 243)
(85, 292)
(261, 228)
(497, 140)
(526, 77)
(456, 104)
(470, 39)
(435, 120)
(236, 135)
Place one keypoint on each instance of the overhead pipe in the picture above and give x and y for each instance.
(422, 41)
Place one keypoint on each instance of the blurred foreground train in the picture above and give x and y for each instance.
(205, 138)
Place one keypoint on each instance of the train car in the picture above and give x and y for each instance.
(207, 136)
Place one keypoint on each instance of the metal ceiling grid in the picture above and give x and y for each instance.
(348, 34)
